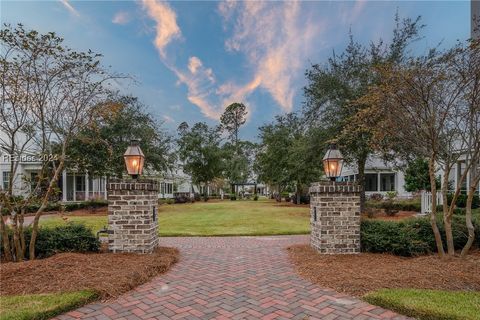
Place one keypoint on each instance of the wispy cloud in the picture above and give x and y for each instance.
(276, 40)
(168, 119)
(199, 80)
(274, 37)
(70, 8)
(121, 17)
(166, 20)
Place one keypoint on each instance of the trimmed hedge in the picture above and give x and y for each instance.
(462, 200)
(403, 205)
(72, 237)
(91, 204)
(411, 237)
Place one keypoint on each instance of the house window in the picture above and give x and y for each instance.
(79, 183)
(5, 180)
(371, 182)
(461, 167)
(33, 180)
(387, 182)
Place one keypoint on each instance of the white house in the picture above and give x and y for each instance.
(380, 177)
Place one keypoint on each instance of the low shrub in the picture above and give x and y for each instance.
(233, 197)
(376, 197)
(196, 196)
(288, 199)
(255, 197)
(391, 195)
(72, 237)
(181, 199)
(403, 205)
(411, 237)
(304, 199)
(70, 206)
(170, 201)
(390, 208)
(462, 200)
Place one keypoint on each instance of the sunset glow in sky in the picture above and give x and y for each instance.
(191, 59)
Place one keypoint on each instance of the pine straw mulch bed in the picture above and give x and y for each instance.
(109, 274)
(361, 273)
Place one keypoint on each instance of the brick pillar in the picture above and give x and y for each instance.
(335, 217)
(132, 215)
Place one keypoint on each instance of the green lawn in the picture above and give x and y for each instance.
(429, 304)
(217, 218)
(93, 222)
(42, 306)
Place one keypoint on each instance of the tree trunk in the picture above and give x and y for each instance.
(447, 219)
(16, 239)
(361, 181)
(433, 215)
(7, 254)
(21, 220)
(474, 181)
(298, 193)
(33, 239)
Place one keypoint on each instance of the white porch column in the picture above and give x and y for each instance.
(378, 182)
(86, 186)
(456, 175)
(64, 185)
(104, 182)
(74, 187)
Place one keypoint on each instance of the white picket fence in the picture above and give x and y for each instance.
(426, 197)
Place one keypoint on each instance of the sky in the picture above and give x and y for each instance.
(191, 59)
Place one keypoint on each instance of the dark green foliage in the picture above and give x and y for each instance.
(376, 197)
(462, 200)
(403, 205)
(233, 197)
(199, 150)
(289, 154)
(397, 238)
(196, 196)
(91, 204)
(99, 147)
(181, 199)
(417, 176)
(390, 208)
(304, 199)
(72, 237)
(410, 237)
(255, 197)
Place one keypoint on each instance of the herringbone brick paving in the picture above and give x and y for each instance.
(232, 278)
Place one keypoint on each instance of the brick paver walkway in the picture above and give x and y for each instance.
(232, 278)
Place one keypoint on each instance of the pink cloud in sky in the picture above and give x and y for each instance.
(121, 17)
(274, 37)
(166, 19)
(69, 7)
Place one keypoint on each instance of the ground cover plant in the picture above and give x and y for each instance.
(51, 285)
(429, 304)
(42, 306)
